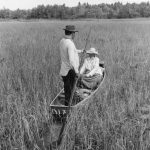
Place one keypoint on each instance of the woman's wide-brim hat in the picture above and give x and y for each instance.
(92, 51)
(70, 28)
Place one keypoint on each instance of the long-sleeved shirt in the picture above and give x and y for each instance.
(92, 66)
(69, 56)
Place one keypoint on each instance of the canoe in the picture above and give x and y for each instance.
(59, 110)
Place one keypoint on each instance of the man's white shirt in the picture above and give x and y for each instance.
(69, 56)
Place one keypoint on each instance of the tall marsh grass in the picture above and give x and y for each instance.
(29, 80)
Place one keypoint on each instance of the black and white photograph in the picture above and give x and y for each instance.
(75, 75)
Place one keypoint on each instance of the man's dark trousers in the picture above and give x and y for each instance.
(69, 81)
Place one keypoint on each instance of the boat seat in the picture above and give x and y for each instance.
(61, 99)
(62, 95)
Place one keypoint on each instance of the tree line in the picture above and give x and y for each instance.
(106, 11)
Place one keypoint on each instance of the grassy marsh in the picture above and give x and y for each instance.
(29, 80)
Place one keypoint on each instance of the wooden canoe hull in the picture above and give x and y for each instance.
(59, 111)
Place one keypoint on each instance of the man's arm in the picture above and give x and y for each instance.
(80, 50)
(71, 54)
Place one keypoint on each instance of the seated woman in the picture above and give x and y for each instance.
(91, 71)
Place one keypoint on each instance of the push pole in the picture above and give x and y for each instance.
(72, 94)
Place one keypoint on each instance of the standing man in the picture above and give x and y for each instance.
(69, 61)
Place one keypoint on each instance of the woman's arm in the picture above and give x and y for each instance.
(80, 50)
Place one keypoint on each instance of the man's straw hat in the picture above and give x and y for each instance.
(92, 51)
(70, 28)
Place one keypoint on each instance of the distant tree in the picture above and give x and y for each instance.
(19, 14)
(5, 13)
(62, 12)
(48, 11)
(81, 10)
(54, 11)
(41, 12)
(99, 12)
(33, 13)
(105, 9)
(145, 9)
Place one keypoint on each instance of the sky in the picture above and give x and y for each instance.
(28, 4)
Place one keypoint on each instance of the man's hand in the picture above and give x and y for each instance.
(83, 51)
